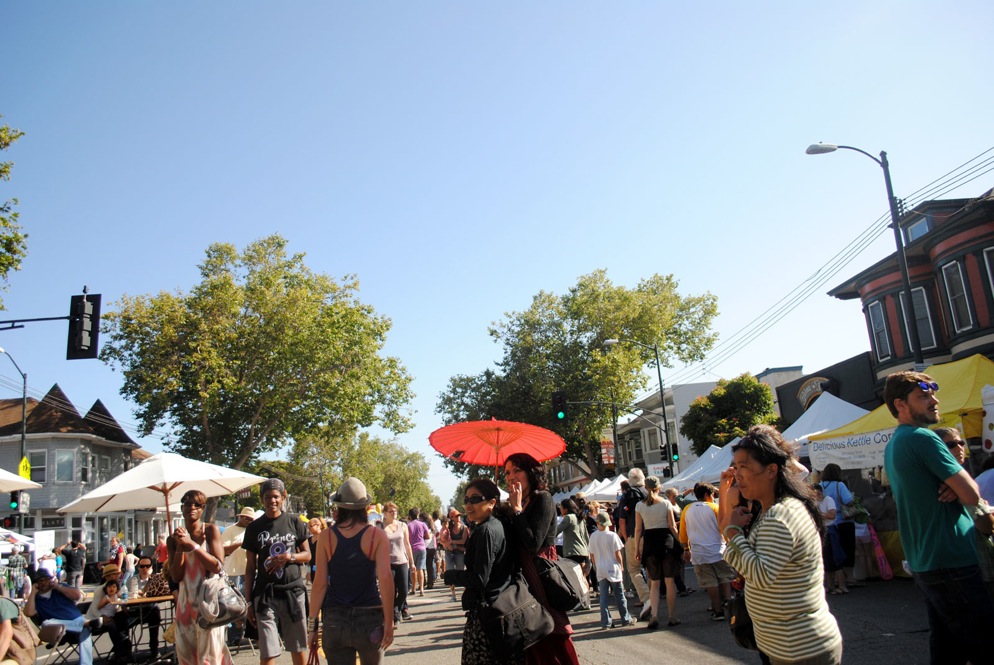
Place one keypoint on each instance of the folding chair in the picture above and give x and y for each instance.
(63, 645)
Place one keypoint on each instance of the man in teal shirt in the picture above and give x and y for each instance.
(931, 490)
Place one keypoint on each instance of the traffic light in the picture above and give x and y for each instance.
(559, 405)
(15, 500)
(674, 452)
(84, 327)
(9, 522)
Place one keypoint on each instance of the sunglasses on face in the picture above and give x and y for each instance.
(473, 500)
(927, 386)
(194, 504)
(954, 444)
(144, 565)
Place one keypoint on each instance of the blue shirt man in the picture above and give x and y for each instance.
(931, 490)
(55, 603)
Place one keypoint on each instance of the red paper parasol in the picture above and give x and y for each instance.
(491, 442)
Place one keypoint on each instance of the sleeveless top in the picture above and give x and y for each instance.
(398, 553)
(351, 574)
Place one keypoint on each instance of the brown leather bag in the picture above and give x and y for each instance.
(25, 639)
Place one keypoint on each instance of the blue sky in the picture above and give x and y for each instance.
(460, 157)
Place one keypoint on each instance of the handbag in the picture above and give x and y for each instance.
(561, 580)
(515, 620)
(23, 640)
(740, 623)
(219, 603)
(855, 511)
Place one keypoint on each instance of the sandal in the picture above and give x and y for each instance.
(673, 622)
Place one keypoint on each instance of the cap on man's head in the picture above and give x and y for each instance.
(43, 574)
(603, 519)
(272, 484)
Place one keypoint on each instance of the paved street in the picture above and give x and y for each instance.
(882, 623)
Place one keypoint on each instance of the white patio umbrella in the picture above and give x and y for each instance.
(10, 482)
(158, 482)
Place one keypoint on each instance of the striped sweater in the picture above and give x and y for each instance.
(782, 565)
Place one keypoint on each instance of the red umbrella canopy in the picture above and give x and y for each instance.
(491, 442)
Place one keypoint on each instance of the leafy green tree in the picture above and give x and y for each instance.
(558, 344)
(13, 243)
(727, 412)
(261, 352)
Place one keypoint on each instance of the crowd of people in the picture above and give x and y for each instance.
(771, 532)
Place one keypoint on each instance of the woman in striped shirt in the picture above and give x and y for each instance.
(781, 558)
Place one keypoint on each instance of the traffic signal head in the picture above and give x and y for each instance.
(675, 453)
(84, 326)
(15, 500)
(9, 522)
(559, 405)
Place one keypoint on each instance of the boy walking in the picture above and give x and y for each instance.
(606, 549)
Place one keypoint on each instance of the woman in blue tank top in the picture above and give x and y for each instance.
(351, 558)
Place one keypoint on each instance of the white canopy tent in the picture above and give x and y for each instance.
(609, 490)
(707, 468)
(826, 413)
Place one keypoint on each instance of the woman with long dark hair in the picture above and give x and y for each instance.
(841, 529)
(533, 525)
(781, 558)
(489, 567)
(352, 559)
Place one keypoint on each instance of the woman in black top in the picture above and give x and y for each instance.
(533, 528)
(489, 565)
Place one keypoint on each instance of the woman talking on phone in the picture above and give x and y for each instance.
(533, 526)
(781, 558)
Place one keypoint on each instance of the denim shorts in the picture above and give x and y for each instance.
(351, 631)
(454, 560)
(420, 557)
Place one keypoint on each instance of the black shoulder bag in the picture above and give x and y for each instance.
(515, 620)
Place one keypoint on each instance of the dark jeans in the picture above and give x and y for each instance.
(119, 629)
(150, 616)
(960, 615)
(352, 630)
(430, 564)
(401, 581)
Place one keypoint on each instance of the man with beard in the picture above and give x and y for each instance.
(932, 492)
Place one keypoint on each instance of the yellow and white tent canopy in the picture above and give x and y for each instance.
(861, 443)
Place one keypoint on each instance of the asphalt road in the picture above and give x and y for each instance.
(881, 623)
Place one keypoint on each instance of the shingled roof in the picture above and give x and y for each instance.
(56, 414)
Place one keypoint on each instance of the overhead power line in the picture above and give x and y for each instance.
(972, 169)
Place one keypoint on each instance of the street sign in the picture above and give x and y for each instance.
(24, 470)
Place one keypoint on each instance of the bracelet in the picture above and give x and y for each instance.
(733, 526)
(312, 624)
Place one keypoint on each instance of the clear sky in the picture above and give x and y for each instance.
(461, 157)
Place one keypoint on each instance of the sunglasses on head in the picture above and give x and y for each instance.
(474, 499)
(929, 386)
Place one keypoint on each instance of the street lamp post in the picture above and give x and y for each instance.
(24, 413)
(902, 259)
(662, 398)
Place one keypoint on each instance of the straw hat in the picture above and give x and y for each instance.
(111, 570)
(247, 512)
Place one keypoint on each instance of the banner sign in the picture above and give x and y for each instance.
(607, 452)
(658, 469)
(856, 451)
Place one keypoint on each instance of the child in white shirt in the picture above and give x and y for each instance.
(606, 554)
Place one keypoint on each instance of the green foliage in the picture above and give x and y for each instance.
(261, 352)
(727, 412)
(13, 243)
(326, 458)
(558, 344)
